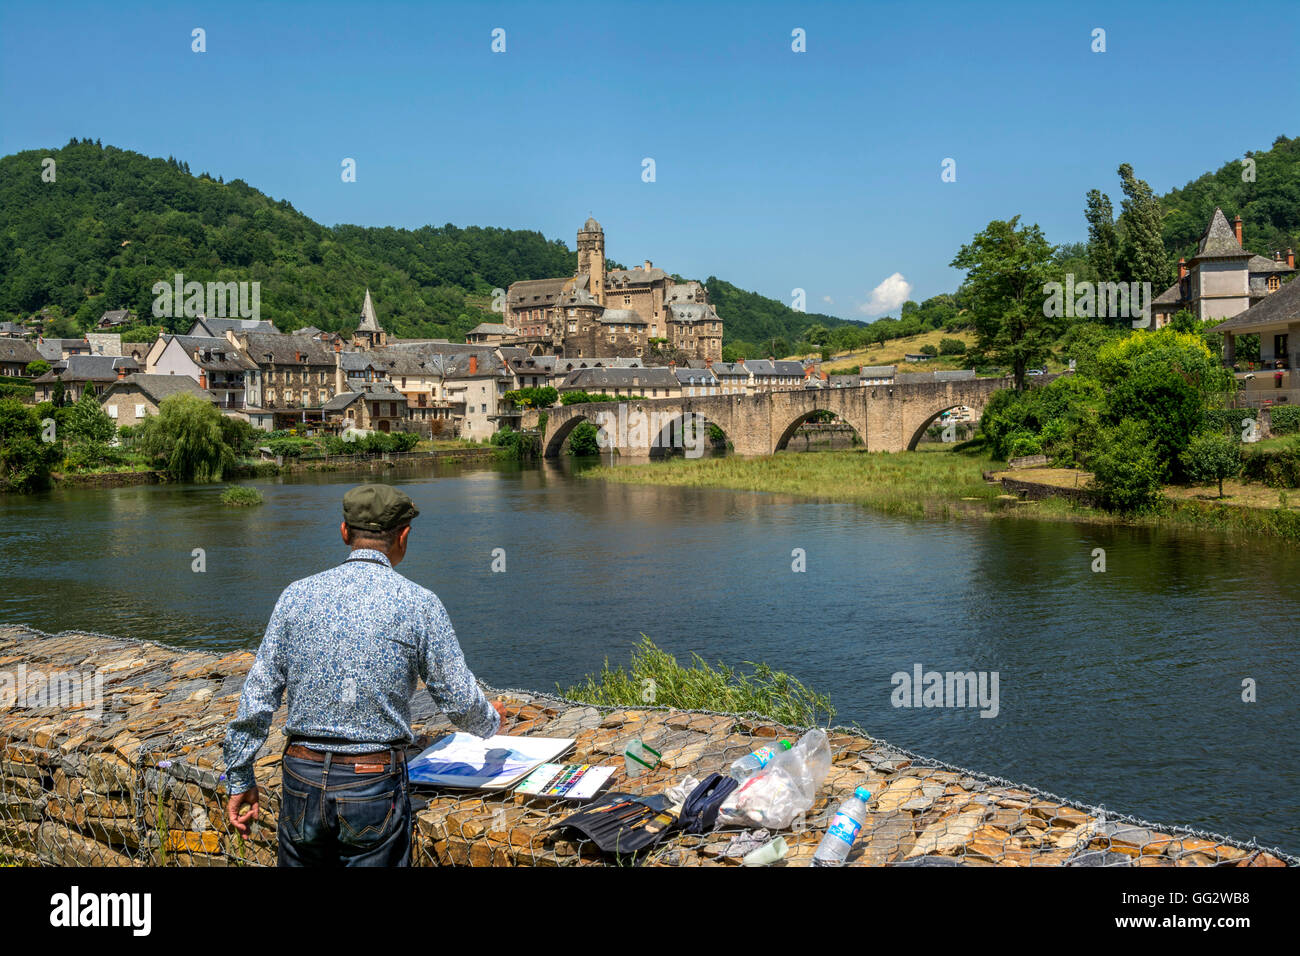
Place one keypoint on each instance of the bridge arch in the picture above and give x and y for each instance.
(555, 444)
(676, 433)
(920, 431)
(793, 427)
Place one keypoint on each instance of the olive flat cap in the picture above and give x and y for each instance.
(377, 508)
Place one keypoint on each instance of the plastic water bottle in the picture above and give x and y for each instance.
(843, 831)
(750, 764)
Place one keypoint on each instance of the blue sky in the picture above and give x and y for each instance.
(775, 170)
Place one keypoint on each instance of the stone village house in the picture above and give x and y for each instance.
(132, 398)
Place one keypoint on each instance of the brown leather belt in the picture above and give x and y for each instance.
(379, 757)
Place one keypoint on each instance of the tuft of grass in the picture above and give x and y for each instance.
(655, 678)
(238, 496)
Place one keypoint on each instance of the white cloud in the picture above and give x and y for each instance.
(828, 300)
(887, 296)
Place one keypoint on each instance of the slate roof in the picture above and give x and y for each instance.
(17, 350)
(214, 354)
(877, 371)
(1219, 241)
(219, 327)
(158, 387)
(369, 323)
(1281, 306)
(490, 328)
(596, 379)
(691, 312)
(695, 377)
(682, 292)
(1265, 264)
(621, 317)
(88, 368)
(730, 369)
(115, 317)
(1171, 296)
(542, 291)
(637, 276)
(285, 349)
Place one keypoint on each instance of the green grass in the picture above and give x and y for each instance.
(655, 678)
(239, 496)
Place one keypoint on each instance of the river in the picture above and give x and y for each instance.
(1121, 688)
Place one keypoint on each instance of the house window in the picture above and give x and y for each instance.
(1273, 283)
(112, 411)
(139, 411)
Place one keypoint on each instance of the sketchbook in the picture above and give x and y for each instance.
(463, 761)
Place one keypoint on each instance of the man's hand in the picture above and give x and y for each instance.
(500, 708)
(240, 821)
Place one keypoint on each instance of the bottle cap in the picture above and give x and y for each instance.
(863, 794)
(786, 745)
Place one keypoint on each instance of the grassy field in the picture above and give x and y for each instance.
(893, 352)
(920, 483)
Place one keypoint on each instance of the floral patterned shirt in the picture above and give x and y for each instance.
(348, 645)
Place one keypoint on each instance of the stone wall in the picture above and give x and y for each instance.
(141, 783)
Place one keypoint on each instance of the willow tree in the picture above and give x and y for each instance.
(187, 434)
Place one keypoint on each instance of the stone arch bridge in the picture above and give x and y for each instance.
(885, 417)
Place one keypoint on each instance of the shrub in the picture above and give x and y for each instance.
(1127, 472)
(1275, 467)
(952, 347)
(1286, 419)
(239, 496)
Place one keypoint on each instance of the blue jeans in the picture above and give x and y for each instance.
(330, 815)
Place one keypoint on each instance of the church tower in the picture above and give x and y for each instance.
(591, 257)
(368, 334)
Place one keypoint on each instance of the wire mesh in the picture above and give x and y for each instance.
(140, 783)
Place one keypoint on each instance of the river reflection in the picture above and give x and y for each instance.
(1122, 688)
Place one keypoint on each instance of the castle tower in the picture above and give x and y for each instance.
(591, 257)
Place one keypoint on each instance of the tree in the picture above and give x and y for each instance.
(1006, 270)
(1142, 255)
(582, 440)
(1211, 457)
(952, 347)
(25, 460)
(187, 433)
(1103, 244)
(817, 334)
(87, 422)
(37, 368)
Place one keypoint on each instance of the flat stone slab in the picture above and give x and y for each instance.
(141, 783)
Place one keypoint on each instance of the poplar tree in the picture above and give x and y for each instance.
(1142, 255)
(1103, 243)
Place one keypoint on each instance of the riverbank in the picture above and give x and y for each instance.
(270, 469)
(951, 483)
(140, 784)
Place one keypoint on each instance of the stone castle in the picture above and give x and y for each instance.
(622, 313)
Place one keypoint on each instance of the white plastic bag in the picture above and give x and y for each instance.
(783, 789)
